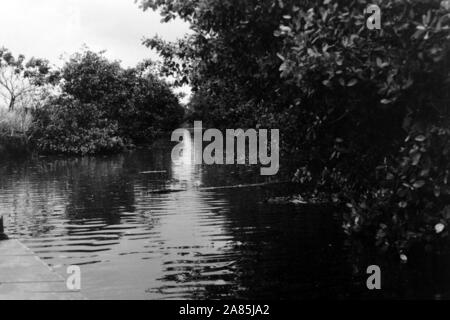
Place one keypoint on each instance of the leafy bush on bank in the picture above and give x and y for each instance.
(103, 107)
(14, 122)
(142, 105)
(374, 113)
(68, 126)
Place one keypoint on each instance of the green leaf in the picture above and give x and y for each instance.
(419, 184)
(352, 83)
(421, 138)
(437, 191)
(416, 158)
(281, 57)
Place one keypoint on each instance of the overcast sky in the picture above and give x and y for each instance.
(51, 28)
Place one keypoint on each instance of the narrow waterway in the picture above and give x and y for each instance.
(108, 216)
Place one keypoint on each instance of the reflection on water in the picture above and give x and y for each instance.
(101, 214)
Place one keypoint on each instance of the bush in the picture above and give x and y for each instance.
(67, 126)
(362, 94)
(142, 105)
(409, 203)
(152, 110)
(14, 122)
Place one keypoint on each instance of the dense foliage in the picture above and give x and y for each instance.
(104, 107)
(141, 104)
(230, 60)
(365, 110)
(69, 126)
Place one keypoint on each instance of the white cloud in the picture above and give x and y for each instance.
(50, 28)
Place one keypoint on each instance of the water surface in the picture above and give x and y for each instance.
(102, 213)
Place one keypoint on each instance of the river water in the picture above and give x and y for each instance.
(108, 216)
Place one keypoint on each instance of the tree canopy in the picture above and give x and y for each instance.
(20, 78)
(103, 107)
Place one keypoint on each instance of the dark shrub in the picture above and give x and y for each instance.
(373, 113)
(141, 104)
(67, 126)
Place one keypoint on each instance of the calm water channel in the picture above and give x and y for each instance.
(103, 214)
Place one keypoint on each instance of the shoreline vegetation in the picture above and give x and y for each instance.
(89, 106)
